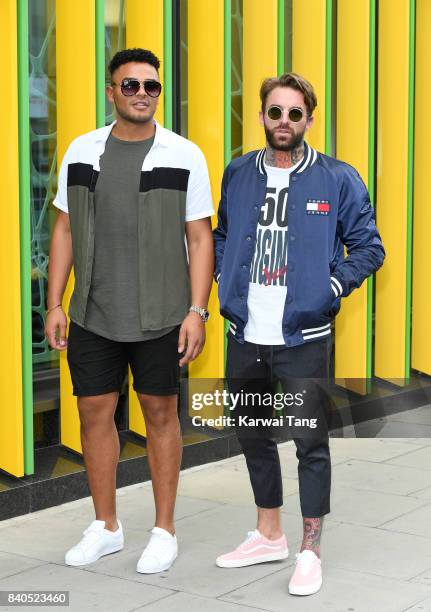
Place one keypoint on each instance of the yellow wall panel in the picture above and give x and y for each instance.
(421, 289)
(308, 58)
(259, 62)
(144, 28)
(205, 128)
(11, 411)
(392, 192)
(353, 84)
(76, 114)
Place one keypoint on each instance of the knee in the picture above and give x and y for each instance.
(162, 422)
(312, 450)
(160, 418)
(95, 411)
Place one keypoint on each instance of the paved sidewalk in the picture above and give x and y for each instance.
(376, 547)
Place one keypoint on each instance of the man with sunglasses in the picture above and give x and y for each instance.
(135, 204)
(285, 215)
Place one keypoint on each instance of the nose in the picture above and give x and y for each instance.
(285, 117)
(141, 91)
(284, 120)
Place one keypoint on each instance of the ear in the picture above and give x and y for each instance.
(260, 117)
(309, 123)
(110, 93)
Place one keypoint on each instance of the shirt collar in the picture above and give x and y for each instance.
(160, 138)
(310, 156)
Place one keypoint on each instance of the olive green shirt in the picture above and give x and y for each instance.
(113, 301)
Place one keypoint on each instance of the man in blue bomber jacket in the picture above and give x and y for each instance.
(285, 215)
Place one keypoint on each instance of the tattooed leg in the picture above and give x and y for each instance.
(312, 532)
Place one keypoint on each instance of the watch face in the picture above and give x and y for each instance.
(206, 316)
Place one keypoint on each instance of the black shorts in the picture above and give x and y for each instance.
(98, 365)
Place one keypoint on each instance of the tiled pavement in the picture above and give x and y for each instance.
(376, 547)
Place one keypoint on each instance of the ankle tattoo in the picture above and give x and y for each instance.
(312, 533)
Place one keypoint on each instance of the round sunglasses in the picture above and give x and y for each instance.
(130, 87)
(275, 113)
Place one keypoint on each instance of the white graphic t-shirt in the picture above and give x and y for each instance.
(268, 272)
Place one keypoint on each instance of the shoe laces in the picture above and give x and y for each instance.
(251, 535)
(304, 562)
(157, 544)
(91, 536)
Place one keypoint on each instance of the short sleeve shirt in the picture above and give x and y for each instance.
(113, 304)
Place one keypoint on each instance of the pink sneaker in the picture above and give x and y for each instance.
(307, 577)
(255, 549)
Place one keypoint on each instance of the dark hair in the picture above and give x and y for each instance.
(133, 55)
(294, 81)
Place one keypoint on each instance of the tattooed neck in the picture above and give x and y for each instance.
(284, 159)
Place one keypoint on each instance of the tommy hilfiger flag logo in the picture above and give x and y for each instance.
(318, 207)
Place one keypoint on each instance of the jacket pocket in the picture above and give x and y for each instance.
(335, 303)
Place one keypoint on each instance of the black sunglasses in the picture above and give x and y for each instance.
(275, 113)
(130, 87)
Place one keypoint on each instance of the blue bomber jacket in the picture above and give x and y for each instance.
(328, 208)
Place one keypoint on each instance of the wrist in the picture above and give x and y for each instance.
(201, 312)
(55, 306)
(53, 300)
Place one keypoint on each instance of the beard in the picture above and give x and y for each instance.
(293, 143)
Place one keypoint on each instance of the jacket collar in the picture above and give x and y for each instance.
(161, 137)
(310, 156)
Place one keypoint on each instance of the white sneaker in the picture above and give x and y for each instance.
(160, 552)
(97, 541)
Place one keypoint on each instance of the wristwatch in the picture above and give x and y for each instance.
(202, 312)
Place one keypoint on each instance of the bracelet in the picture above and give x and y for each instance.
(53, 308)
